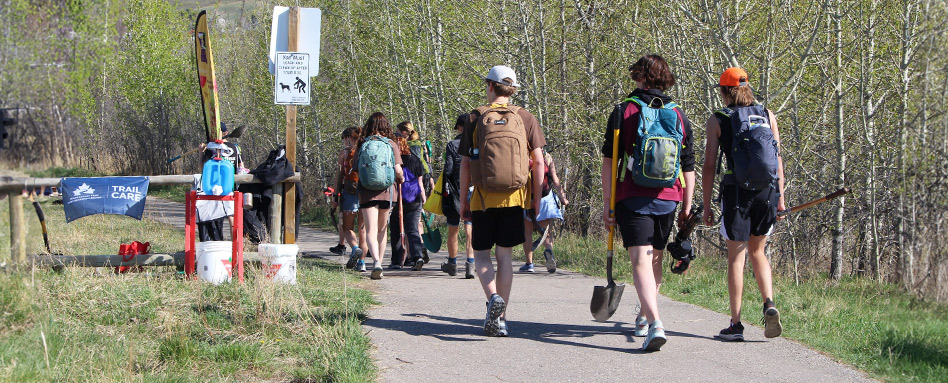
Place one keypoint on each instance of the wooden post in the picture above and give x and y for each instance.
(289, 189)
(276, 228)
(17, 229)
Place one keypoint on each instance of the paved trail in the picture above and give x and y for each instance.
(428, 328)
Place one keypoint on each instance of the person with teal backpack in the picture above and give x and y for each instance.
(380, 167)
(656, 171)
(751, 193)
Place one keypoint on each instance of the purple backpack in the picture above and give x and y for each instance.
(410, 189)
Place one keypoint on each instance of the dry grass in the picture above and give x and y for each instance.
(157, 326)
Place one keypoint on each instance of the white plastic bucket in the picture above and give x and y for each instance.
(279, 261)
(213, 261)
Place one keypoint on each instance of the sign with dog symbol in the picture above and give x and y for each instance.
(292, 79)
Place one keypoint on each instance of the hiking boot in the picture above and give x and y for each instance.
(772, 326)
(495, 308)
(424, 255)
(656, 337)
(376, 272)
(353, 258)
(338, 249)
(450, 268)
(419, 263)
(641, 326)
(468, 270)
(733, 333)
(360, 266)
(526, 268)
(550, 261)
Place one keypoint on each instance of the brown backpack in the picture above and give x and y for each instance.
(501, 162)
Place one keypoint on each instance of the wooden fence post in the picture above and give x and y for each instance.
(276, 216)
(17, 229)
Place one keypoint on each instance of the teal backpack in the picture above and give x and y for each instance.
(655, 160)
(376, 163)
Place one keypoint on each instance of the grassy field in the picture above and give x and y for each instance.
(877, 328)
(90, 325)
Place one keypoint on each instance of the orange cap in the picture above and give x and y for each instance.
(733, 76)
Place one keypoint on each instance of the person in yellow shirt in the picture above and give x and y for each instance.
(496, 147)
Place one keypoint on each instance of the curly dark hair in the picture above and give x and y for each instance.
(377, 124)
(653, 72)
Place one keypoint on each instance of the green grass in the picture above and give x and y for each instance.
(156, 326)
(877, 328)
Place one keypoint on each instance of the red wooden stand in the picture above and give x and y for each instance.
(237, 234)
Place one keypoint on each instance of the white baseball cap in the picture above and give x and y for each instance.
(500, 72)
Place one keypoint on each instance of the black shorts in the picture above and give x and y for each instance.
(643, 229)
(378, 204)
(501, 226)
(746, 212)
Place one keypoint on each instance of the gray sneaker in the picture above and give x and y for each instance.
(377, 272)
(495, 309)
(354, 257)
(641, 325)
(656, 337)
(772, 326)
(550, 261)
(468, 270)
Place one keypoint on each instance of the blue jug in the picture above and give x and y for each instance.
(217, 177)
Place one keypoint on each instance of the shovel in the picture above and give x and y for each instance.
(605, 299)
(432, 237)
(235, 134)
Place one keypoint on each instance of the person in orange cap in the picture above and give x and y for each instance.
(751, 192)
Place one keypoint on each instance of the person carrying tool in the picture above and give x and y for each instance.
(451, 204)
(503, 185)
(347, 197)
(405, 234)
(655, 172)
(751, 192)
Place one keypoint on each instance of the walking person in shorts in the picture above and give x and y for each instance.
(751, 192)
(347, 181)
(380, 167)
(496, 147)
(550, 209)
(648, 192)
(451, 202)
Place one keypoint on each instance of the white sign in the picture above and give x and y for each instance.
(292, 79)
(308, 35)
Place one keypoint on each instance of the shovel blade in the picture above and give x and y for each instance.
(432, 240)
(605, 301)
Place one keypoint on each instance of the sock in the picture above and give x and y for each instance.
(470, 260)
(453, 261)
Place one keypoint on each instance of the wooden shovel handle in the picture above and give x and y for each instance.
(815, 202)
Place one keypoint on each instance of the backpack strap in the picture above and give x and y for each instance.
(726, 112)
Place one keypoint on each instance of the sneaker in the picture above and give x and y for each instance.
(495, 309)
(419, 263)
(395, 266)
(360, 266)
(641, 325)
(502, 328)
(468, 270)
(450, 268)
(376, 272)
(550, 261)
(424, 255)
(353, 258)
(338, 249)
(526, 268)
(733, 333)
(772, 326)
(656, 337)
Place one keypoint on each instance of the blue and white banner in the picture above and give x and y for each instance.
(104, 195)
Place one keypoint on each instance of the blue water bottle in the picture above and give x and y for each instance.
(217, 177)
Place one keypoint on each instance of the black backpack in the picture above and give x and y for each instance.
(754, 149)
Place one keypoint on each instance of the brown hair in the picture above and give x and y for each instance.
(377, 124)
(739, 95)
(406, 126)
(653, 72)
(501, 89)
(353, 132)
(402, 144)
